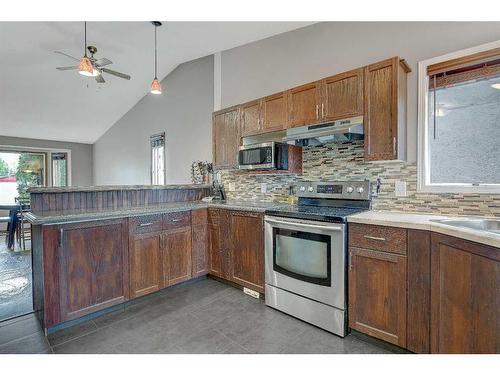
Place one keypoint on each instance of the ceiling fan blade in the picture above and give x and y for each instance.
(115, 73)
(65, 54)
(103, 62)
(67, 67)
(99, 79)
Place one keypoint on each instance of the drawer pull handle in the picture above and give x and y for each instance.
(176, 220)
(375, 238)
(145, 224)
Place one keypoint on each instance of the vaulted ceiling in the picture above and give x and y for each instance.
(38, 101)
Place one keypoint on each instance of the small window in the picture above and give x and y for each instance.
(59, 169)
(460, 134)
(157, 159)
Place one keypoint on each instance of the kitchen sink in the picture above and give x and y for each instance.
(487, 225)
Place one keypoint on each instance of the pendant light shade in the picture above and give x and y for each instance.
(155, 85)
(85, 67)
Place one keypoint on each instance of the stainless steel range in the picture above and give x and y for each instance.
(306, 252)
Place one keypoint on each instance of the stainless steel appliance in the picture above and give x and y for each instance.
(306, 252)
(269, 155)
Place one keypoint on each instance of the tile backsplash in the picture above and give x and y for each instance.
(345, 161)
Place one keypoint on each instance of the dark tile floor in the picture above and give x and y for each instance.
(15, 282)
(204, 316)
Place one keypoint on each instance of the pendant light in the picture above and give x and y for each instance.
(155, 85)
(85, 67)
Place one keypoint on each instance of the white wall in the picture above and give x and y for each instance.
(283, 61)
(183, 111)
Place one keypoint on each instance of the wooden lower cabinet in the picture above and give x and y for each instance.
(465, 296)
(247, 249)
(85, 268)
(199, 235)
(145, 263)
(176, 256)
(377, 294)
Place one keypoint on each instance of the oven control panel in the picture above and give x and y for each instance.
(359, 190)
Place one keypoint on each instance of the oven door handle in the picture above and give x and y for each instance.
(313, 226)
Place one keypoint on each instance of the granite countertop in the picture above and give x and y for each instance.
(425, 222)
(67, 189)
(70, 216)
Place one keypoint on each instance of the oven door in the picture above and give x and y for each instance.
(306, 258)
(261, 157)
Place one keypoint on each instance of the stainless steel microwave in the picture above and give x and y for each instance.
(269, 155)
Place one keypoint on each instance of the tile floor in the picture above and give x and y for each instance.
(204, 316)
(15, 282)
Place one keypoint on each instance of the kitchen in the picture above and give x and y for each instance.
(289, 202)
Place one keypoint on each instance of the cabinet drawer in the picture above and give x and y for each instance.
(199, 216)
(376, 237)
(145, 224)
(213, 216)
(177, 220)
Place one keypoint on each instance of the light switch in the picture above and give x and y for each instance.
(232, 186)
(400, 189)
(263, 188)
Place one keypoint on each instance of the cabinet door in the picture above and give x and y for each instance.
(377, 294)
(247, 250)
(304, 104)
(465, 296)
(250, 118)
(226, 138)
(385, 108)
(343, 95)
(177, 256)
(93, 267)
(200, 250)
(145, 264)
(214, 254)
(274, 112)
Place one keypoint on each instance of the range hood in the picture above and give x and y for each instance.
(348, 129)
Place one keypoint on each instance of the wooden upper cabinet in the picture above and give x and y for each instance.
(251, 118)
(343, 95)
(304, 104)
(385, 109)
(226, 138)
(274, 112)
(465, 296)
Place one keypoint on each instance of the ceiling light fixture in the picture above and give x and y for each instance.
(155, 85)
(85, 67)
(496, 86)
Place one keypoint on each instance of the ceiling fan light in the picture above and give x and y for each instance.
(155, 87)
(85, 67)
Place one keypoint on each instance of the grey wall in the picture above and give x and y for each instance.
(81, 155)
(316, 51)
(183, 111)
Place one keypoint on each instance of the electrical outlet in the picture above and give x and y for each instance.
(263, 188)
(400, 189)
(232, 186)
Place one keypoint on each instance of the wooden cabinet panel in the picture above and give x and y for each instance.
(304, 104)
(214, 250)
(200, 250)
(93, 267)
(176, 220)
(377, 294)
(225, 244)
(274, 112)
(419, 289)
(226, 138)
(145, 224)
(247, 252)
(376, 237)
(343, 95)
(385, 108)
(250, 118)
(177, 256)
(145, 264)
(465, 296)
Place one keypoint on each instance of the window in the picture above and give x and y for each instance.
(157, 142)
(459, 121)
(59, 169)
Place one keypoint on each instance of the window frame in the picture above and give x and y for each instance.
(161, 134)
(423, 169)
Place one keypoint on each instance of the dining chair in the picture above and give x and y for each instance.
(23, 229)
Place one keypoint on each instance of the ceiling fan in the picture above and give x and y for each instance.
(90, 66)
